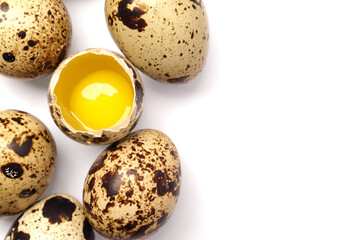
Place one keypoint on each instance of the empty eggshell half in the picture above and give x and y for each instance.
(96, 96)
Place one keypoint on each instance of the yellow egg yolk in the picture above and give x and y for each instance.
(101, 99)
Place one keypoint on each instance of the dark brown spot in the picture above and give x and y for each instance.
(47, 65)
(64, 33)
(108, 205)
(49, 12)
(110, 20)
(129, 193)
(14, 233)
(88, 231)
(163, 186)
(141, 232)
(4, 6)
(27, 193)
(58, 209)
(139, 93)
(101, 139)
(136, 174)
(32, 43)
(26, 48)
(163, 219)
(18, 120)
(112, 181)
(12, 170)
(98, 164)
(21, 236)
(92, 183)
(33, 175)
(197, 2)
(21, 149)
(178, 80)
(131, 18)
(9, 57)
(62, 55)
(21, 34)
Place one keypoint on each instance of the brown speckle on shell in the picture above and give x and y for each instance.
(27, 193)
(58, 209)
(21, 148)
(131, 17)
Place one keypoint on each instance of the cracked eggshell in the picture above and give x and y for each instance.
(58, 216)
(103, 136)
(35, 37)
(167, 40)
(27, 160)
(133, 186)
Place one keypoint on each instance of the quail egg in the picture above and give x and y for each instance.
(58, 216)
(96, 96)
(34, 35)
(27, 160)
(167, 40)
(133, 186)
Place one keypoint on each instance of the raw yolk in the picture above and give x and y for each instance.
(101, 99)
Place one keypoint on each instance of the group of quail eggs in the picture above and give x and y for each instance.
(132, 187)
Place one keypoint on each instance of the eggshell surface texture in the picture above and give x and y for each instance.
(133, 186)
(73, 70)
(58, 216)
(34, 35)
(27, 160)
(167, 40)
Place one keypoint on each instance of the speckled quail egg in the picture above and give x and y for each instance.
(167, 40)
(133, 186)
(96, 96)
(34, 37)
(27, 160)
(58, 216)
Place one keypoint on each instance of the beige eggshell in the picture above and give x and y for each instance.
(58, 216)
(133, 186)
(34, 35)
(27, 160)
(167, 40)
(103, 136)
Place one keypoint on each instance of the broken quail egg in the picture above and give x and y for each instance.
(27, 160)
(132, 188)
(167, 40)
(96, 96)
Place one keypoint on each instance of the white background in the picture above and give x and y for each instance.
(268, 134)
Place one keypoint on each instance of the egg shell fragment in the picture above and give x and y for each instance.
(35, 37)
(167, 40)
(132, 188)
(58, 216)
(27, 160)
(102, 136)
